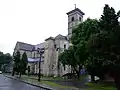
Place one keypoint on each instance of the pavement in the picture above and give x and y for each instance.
(12, 84)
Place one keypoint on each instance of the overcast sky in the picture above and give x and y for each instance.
(32, 21)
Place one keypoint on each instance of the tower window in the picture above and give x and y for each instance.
(57, 49)
(80, 19)
(72, 19)
(64, 46)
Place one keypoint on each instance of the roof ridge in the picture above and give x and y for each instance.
(25, 43)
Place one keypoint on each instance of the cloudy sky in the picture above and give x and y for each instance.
(32, 21)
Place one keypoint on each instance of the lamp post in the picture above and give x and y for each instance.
(40, 52)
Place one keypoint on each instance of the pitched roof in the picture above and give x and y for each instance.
(41, 45)
(61, 37)
(50, 38)
(25, 46)
(76, 9)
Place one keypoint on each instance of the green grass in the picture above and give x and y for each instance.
(82, 77)
(55, 84)
(99, 86)
(48, 83)
(45, 77)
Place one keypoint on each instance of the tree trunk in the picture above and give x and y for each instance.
(78, 75)
(20, 74)
(13, 73)
(77, 72)
(92, 78)
(117, 82)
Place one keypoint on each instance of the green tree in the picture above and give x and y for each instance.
(67, 58)
(17, 62)
(77, 54)
(5, 58)
(24, 62)
(1, 58)
(80, 37)
(105, 45)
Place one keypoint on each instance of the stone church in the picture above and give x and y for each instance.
(53, 46)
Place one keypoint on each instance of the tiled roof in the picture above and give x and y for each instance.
(77, 9)
(25, 46)
(41, 45)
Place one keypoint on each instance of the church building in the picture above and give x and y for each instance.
(52, 46)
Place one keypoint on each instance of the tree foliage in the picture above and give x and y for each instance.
(20, 63)
(5, 58)
(67, 57)
(105, 45)
(96, 45)
(17, 61)
(24, 62)
(77, 54)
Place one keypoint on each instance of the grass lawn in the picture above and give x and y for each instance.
(44, 77)
(100, 86)
(82, 77)
(48, 83)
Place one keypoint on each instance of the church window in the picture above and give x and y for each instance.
(43, 57)
(34, 55)
(72, 19)
(54, 46)
(80, 19)
(64, 46)
(57, 49)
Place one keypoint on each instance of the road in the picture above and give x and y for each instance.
(10, 84)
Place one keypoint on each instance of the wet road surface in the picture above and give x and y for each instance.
(11, 84)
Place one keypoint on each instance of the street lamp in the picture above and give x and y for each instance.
(40, 52)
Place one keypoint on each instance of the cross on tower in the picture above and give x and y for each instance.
(75, 6)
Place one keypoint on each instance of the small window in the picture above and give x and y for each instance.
(57, 49)
(42, 56)
(72, 19)
(80, 19)
(34, 55)
(54, 46)
(64, 46)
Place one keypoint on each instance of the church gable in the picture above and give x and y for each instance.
(24, 46)
(60, 37)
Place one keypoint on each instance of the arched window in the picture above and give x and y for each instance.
(72, 19)
(64, 46)
(80, 19)
(55, 46)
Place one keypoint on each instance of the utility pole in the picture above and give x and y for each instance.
(40, 52)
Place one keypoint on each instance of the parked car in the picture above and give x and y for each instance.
(0, 72)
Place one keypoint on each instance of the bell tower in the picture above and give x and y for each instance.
(74, 18)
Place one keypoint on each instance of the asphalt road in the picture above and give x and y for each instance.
(10, 84)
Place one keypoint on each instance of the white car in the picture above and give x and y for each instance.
(0, 72)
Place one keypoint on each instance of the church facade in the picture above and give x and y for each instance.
(53, 46)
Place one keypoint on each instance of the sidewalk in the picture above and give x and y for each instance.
(43, 84)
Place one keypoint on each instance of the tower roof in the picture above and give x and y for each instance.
(76, 9)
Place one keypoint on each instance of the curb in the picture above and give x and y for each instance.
(29, 83)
